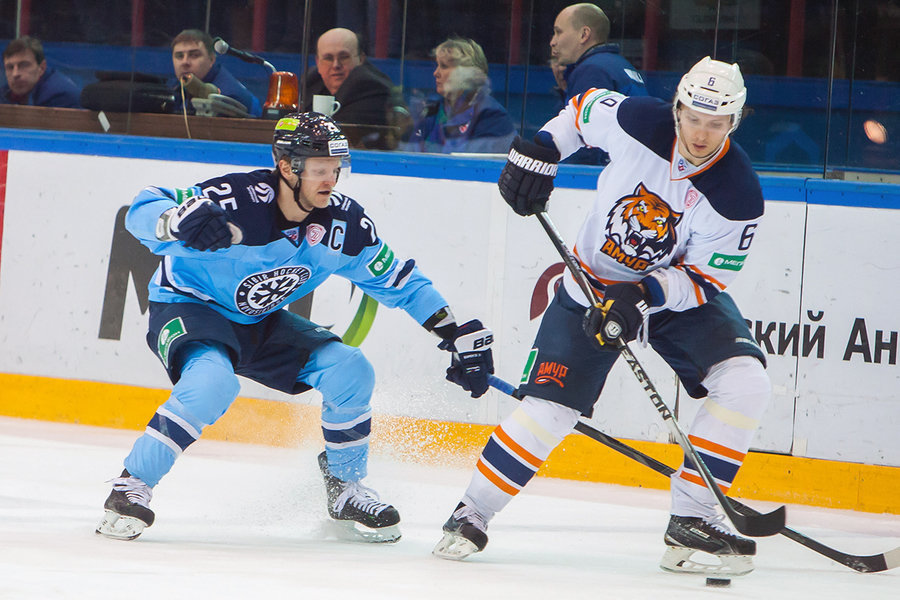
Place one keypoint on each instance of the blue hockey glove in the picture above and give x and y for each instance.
(472, 360)
(527, 178)
(201, 224)
(620, 314)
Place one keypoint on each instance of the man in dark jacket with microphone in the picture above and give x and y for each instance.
(194, 61)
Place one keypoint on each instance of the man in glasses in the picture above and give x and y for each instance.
(366, 95)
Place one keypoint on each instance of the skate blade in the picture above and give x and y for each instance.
(351, 531)
(682, 560)
(118, 527)
(454, 547)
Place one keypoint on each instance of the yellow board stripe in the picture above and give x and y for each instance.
(770, 477)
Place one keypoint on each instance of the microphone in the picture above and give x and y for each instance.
(222, 47)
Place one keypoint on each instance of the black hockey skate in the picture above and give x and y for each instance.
(687, 535)
(357, 511)
(127, 508)
(465, 533)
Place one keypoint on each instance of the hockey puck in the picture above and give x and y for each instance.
(713, 582)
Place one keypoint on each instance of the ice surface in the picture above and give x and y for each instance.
(243, 521)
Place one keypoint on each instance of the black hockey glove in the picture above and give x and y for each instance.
(199, 223)
(472, 360)
(619, 315)
(527, 179)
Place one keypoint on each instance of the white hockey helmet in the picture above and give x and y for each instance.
(715, 88)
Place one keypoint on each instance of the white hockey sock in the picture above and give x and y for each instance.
(739, 391)
(515, 451)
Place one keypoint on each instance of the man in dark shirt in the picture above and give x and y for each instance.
(580, 42)
(194, 56)
(367, 95)
(30, 81)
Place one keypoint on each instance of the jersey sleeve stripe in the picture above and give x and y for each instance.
(703, 289)
(708, 278)
(578, 103)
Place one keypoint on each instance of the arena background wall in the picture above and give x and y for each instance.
(817, 289)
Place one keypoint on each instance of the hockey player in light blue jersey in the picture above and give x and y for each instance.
(236, 251)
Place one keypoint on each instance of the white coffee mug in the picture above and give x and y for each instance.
(326, 105)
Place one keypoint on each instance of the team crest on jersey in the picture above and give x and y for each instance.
(314, 233)
(263, 292)
(691, 198)
(261, 193)
(640, 229)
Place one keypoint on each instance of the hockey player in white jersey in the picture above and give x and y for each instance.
(237, 250)
(675, 215)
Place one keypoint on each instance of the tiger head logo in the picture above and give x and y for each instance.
(642, 226)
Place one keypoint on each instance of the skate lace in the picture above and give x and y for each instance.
(468, 514)
(135, 490)
(717, 522)
(360, 496)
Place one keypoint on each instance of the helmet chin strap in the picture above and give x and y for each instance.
(296, 190)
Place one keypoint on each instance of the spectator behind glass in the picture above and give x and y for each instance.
(580, 43)
(30, 81)
(464, 117)
(193, 56)
(367, 96)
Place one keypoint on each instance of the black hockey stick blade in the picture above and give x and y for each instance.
(874, 563)
(759, 524)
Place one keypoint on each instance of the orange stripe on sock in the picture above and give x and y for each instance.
(717, 448)
(492, 477)
(699, 481)
(524, 454)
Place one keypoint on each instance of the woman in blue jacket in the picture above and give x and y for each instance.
(463, 117)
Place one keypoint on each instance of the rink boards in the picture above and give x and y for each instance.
(818, 290)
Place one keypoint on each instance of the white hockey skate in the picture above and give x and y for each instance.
(127, 509)
(723, 553)
(464, 535)
(357, 513)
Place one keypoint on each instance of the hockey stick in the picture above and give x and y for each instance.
(863, 564)
(757, 525)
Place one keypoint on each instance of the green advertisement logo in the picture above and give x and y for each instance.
(724, 261)
(382, 261)
(171, 331)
